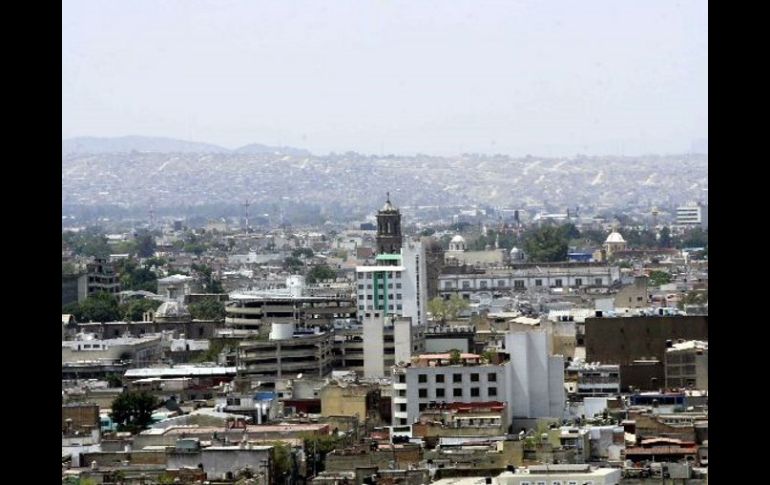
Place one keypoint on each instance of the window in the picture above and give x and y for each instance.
(421, 378)
(447, 285)
(491, 377)
(360, 297)
(572, 482)
(422, 393)
(398, 274)
(578, 281)
(500, 283)
(368, 297)
(556, 482)
(390, 307)
(457, 392)
(475, 392)
(439, 393)
(398, 306)
(598, 282)
(440, 378)
(525, 483)
(475, 377)
(360, 287)
(422, 406)
(398, 286)
(402, 378)
(457, 378)
(398, 296)
(390, 286)
(518, 284)
(538, 282)
(557, 283)
(402, 407)
(482, 284)
(466, 285)
(360, 307)
(492, 392)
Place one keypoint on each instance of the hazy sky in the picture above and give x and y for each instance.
(439, 77)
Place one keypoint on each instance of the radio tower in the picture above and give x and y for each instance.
(246, 205)
(152, 214)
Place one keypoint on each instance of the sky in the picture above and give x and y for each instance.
(551, 78)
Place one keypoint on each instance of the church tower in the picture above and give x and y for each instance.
(388, 229)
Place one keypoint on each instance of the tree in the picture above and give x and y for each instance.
(455, 357)
(570, 231)
(207, 309)
(300, 252)
(293, 264)
(455, 305)
(100, 307)
(321, 272)
(132, 411)
(546, 244)
(145, 244)
(665, 238)
(134, 310)
(114, 380)
(658, 278)
(438, 308)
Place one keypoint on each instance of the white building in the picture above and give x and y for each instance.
(561, 475)
(531, 381)
(529, 276)
(397, 286)
(693, 215)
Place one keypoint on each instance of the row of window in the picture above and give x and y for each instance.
(422, 393)
(519, 284)
(379, 286)
(368, 275)
(399, 306)
(381, 297)
(439, 378)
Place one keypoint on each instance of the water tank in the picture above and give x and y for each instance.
(295, 284)
(281, 331)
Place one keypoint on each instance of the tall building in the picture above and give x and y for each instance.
(530, 380)
(388, 229)
(693, 215)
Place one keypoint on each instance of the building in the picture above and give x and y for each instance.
(349, 347)
(529, 380)
(388, 229)
(687, 365)
(614, 243)
(459, 255)
(287, 352)
(177, 286)
(100, 277)
(378, 330)
(561, 475)
(352, 399)
(526, 276)
(74, 288)
(222, 462)
(473, 419)
(253, 312)
(596, 379)
(622, 340)
(138, 350)
(693, 215)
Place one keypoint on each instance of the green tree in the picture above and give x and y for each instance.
(455, 305)
(438, 309)
(455, 357)
(293, 264)
(695, 297)
(664, 241)
(570, 231)
(658, 278)
(300, 252)
(145, 244)
(134, 310)
(321, 272)
(207, 309)
(114, 380)
(546, 244)
(100, 307)
(132, 411)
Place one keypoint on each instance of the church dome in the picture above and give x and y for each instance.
(172, 310)
(458, 239)
(615, 237)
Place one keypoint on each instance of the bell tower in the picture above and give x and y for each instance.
(388, 229)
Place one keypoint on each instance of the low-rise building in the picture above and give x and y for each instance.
(561, 475)
(687, 365)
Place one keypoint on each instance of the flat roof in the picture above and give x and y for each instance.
(368, 269)
(179, 371)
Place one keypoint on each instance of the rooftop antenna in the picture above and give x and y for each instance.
(246, 203)
(152, 213)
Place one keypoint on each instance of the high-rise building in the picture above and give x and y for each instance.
(693, 215)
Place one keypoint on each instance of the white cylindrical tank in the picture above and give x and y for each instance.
(282, 331)
(295, 284)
